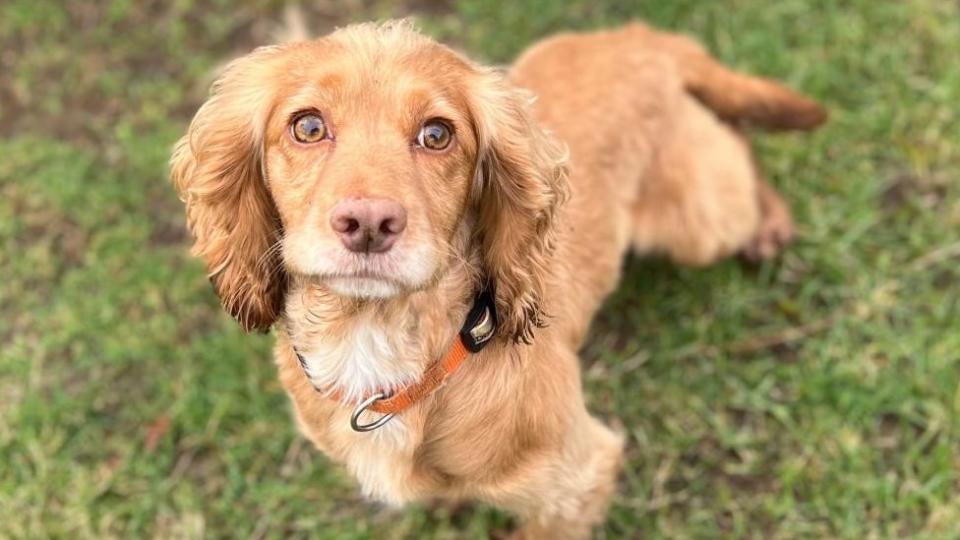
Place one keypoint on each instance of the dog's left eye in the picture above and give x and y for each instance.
(309, 128)
(434, 135)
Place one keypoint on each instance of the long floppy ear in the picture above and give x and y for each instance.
(217, 168)
(522, 180)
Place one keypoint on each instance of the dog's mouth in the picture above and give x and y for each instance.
(364, 285)
(369, 276)
(401, 270)
(363, 272)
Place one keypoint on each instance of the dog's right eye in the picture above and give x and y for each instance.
(435, 135)
(309, 128)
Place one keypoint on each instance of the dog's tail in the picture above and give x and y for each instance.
(737, 96)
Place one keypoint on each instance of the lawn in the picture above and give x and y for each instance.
(817, 396)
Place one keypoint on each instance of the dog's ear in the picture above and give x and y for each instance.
(217, 168)
(521, 181)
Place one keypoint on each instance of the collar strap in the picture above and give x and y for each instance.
(477, 331)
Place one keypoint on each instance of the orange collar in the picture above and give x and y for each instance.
(476, 332)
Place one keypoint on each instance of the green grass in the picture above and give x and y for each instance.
(815, 397)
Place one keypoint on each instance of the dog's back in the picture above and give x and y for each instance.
(658, 161)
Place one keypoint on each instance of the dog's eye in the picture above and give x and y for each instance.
(309, 128)
(434, 135)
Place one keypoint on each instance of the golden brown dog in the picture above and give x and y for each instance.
(357, 192)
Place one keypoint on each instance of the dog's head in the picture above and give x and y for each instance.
(355, 160)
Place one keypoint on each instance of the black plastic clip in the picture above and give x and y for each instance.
(481, 323)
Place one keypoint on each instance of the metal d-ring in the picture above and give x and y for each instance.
(363, 406)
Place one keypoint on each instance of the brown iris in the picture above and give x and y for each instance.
(309, 128)
(434, 135)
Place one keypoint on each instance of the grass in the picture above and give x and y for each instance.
(814, 397)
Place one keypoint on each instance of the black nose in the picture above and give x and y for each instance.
(368, 225)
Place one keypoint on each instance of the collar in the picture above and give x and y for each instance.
(477, 331)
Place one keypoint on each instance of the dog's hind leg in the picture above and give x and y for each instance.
(776, 228)
(703, 198)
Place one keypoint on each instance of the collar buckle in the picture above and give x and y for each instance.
(362, 407)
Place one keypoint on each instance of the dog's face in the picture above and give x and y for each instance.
(370, 163)
(358, 161)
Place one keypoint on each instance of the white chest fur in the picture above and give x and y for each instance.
(365, 357)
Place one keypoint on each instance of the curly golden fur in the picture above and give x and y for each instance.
(650, 126)
(218, 170)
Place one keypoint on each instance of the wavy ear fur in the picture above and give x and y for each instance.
(522, 180)
(217, 169)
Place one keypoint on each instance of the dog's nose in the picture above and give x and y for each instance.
(368, 225)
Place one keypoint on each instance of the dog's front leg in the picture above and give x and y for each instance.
(566, 495)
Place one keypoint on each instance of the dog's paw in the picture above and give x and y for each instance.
(775, 231)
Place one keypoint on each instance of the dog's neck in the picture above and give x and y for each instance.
(359, 347)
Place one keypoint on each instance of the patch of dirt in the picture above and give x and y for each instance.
(167, 216)
(926, 192)
(166, 233)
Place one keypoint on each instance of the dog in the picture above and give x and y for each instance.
(430, 238)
